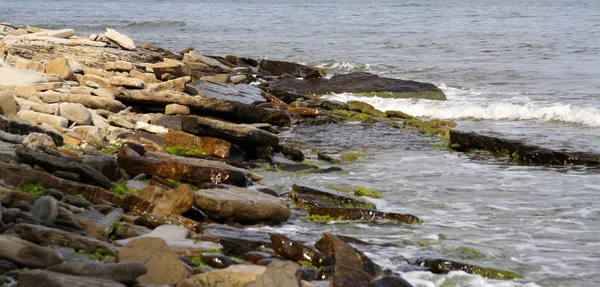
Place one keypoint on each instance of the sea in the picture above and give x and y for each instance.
(526, 70)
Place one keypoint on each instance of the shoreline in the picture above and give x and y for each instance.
(105, 142)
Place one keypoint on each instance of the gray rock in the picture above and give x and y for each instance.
(107, 222)
(36, 278)
(38, 141)
(124, 272)
(76, 113)
(23, 127)
(120, 122)
(246, 94)
(52, 236)
(6, 266)
(39, 118)
(11, 77)
(26, 253)
(278, 274)
(46, 209)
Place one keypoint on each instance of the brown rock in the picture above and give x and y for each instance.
(93, 102)
(210, 145)
(176, 109)
(131, 83)
(232, 276)
(278, 68)
(26, 253)
(163, 266)
(348, 265)
(239, 133)
(170, 66)
(174, 85)
(146, 77)
(297, 251)
(60, 67)
(175, 201)
(118, 66)
(305, 112)
(51, 236)
(121, 40)
(217, 79)
(8, 106)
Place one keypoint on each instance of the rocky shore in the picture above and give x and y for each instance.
(127, 165)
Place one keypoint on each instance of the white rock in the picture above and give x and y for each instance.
(12, 77)
(122, 40)
(74, 112)
(150, 128)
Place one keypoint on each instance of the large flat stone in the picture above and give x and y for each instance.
(13, 77)
(23, 127)
(242, 134)
(36, 278)
(26, 253)
(51, 236)
(240, 93)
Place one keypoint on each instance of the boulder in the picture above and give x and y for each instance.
(278, 274)
(76, 113)
(241, 205)
(121, 40)
(135, 165)
(118, 66)
(297, 251)
(246, 94)
(308, 196)
(170, 66)
(348, 265)
(53, 163)
(243, 134)
(163, 266)
(35, 278)
(60, 66)
(124, 272)
(39, 118)
(26, 253)
(51, 236)
(38, 141)
(229, 110)
(334, 213)
(46, 209)
(232, 276)
(176, 109)
(8, 105)
(327, 246)
(359, 83)
(278, 68)
(175, 201)
(10, 76)
(22, 127)
(443, 266)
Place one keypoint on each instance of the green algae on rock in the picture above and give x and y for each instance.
(363, 191)
(325, 213)
(177, 150)
(307, 196)
(442, 266)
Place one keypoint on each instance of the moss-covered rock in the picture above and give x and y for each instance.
(433, 127)
(307, 196)
(363, 191)
(325, 213)
(442, 266)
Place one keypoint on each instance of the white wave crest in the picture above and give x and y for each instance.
(344, 67)
(463, 109)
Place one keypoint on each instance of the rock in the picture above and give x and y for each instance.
(15, 77)
(235, 241)
(348, 265)
(8, 106)
(278, 274)
(38, 141)
(21, 127)
(246, 94)
(51, 236)
(25, 64)
(216, 79)
(360, 83)
(131, 83)
(236, 79)
(232, 276)
(518, 150)
(210, 145)
(307, 196)
(106, 223)
(335, 213)
(194, 56)
(135, 165)
(217, 260)
(42, 108)
(163, 266)
(93, 102)
(17, 175)
(305, 112)
(34, 278)
(124, 272)
(94, 81)
(39, 118)
(120, 121)
(443, 266)
(76, 113)
(297, 251)
(242, 134)
(241, 205)
(176, 109)
(148, 78)
(52, 163)
(326, 245)
(46, 209)
(170, 66)
(60, 67)
(175, 201)
(122, 40)
(6, 266)
(155, 129)
(229, 110)
(26, 253)
(278, 68)
(390, 281)
(118, 66)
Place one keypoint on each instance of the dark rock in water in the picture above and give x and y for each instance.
(135, 165)
(285, 273)
(217, 260)
(255, 256)
(287, 97)
(390, 281)
(326, 245)
(307, 196)
(52, 236)
(6, 266)
(348, 265)
(327, 158)
(267, 261)
(46, 209)
(53, 163)
(301, 167)
(246, 94)
(18, 175)
(327, 105)
(308, 273)
(297, 251)
(124, 272)
(289, 150)
(35, 278)
(518, 150)
(26, 253)
(235, 241)
(361, 214)
(278, 68)
(23, 127)
(443, 266)
(242, 134)
(360, 83)
(150, 220)
(210, 145)
(321, 120)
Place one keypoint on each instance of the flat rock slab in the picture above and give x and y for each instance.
(308, 196)
(23, 127)
(246, 94)
(135, 165)
(362, 214)
(36, 278)
(359, 83)
(210, 145)
(242, 134)
(278, 68)
(52, 236)
(26, 253)
(163, 266)
(15, 77)
(241, 205)
(232, 276)
(124, 272)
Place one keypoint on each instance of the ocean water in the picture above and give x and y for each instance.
(520, 69)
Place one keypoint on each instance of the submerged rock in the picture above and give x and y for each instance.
(297, 251)
(348, 265)
(443, 266)
(124, 272)
(360, 83)
(307, 196)
(332, 213)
